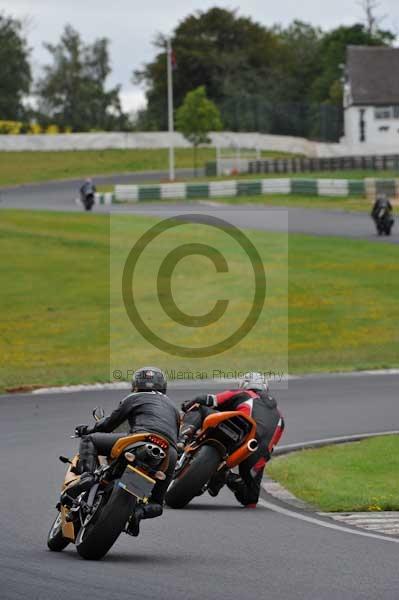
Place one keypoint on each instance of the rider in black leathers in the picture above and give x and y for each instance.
(147, 408)
(87, 191)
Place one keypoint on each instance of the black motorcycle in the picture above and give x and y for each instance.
(87, 200)
(122, 485)
(384, 222)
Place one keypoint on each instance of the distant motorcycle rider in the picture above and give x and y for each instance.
(147, 408)
(252, 398)
(87, 191)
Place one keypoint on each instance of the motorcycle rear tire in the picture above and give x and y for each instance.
(94, 541)
(191, 481)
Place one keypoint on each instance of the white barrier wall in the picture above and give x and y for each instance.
(153, 140)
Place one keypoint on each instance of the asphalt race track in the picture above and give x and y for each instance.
(60, 196)
(211, 550)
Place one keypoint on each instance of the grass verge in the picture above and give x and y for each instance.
(347, 203)
(349, 174)
(55, 305)
(356, 175)
(360, 476)
(29, 167)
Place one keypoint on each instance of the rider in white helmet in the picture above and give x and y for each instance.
(253, 398)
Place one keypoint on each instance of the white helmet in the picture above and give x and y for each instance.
(254, 381)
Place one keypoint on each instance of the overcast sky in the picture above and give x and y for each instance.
(131, 25)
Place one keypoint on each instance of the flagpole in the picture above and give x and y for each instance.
(170, 112)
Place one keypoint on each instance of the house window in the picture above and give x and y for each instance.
(362, 125)
(383, 112)
(386, 112)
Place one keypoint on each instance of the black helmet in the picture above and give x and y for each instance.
(148, 379)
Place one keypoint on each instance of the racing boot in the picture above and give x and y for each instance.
(235, 482)
(73, 491)
(217, 482)
(147, 511)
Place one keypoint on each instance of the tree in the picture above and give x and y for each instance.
(371, 19)
(72, 92)
(196, 117)
(225, 53)
(333, 56)
(15, 71)
(299, 59)
(279, 80)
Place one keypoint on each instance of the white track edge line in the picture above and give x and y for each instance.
(321, 523)
(332, 440)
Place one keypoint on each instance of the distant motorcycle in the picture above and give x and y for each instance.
(87, 200)
(384, 222)
(382, 215)
(87, 192)
(224, 440)
(94, 519)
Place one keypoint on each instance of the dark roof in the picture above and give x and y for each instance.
(373, 74)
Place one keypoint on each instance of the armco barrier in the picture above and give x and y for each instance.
(381, 162)
(256, 187)
(105, 198)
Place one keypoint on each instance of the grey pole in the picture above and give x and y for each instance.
(170, 112)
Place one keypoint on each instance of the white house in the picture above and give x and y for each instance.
(371, 100)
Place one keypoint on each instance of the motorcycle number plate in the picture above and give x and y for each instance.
(137, 483)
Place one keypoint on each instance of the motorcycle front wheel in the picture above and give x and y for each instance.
(55, 540)
(190, 482)
(96, 538)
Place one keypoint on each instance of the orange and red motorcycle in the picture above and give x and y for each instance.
(122, 483)
(224, 441)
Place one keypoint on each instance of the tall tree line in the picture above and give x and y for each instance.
(280, 80)
(276, 79)
(72, 91)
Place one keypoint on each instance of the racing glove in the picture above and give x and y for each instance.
(81, 430)
(204, 400)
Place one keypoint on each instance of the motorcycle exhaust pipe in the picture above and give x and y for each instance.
(154, 454)
(155, 451)
(252, 445)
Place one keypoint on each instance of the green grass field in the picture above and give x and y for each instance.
(360, 476)
(348, 204)
(342, 301)
(29, 167)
